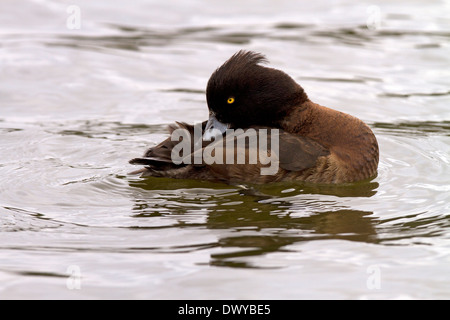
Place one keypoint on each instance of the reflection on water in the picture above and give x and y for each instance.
(341, 224)
(256, 223)
(415, 128)
(134, 38)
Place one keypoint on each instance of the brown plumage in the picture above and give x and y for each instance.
(316, 144)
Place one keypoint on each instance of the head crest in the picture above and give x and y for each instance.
(242, 60)
(247, 57)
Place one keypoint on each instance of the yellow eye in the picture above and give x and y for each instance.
(230, 100)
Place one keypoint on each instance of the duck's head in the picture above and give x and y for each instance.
(243, 93)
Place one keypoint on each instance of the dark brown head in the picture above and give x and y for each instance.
(243, 93)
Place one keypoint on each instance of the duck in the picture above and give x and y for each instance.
(293, 138)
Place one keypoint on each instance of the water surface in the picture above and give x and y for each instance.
(77, 104)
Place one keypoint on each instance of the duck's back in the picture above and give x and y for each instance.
(352, 145)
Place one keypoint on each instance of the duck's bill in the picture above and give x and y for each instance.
(214, 128)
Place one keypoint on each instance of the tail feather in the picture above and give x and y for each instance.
(150, 161)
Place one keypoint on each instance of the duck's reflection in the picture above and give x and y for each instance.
(264, 231)
(252, 222)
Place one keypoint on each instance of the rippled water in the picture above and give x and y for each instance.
(77, 104)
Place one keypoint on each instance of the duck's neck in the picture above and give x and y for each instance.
(300, 118)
